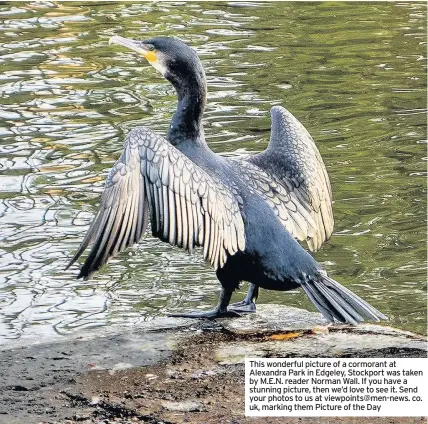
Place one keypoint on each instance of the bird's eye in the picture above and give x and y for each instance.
(151, 47)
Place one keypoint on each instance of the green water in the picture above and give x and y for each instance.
(353, 73)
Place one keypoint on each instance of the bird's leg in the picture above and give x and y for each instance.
(249, 303)
(220, 310)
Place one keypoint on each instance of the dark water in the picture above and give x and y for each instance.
(354, 74)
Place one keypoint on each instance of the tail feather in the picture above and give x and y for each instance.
(321, 303)
(337, 302)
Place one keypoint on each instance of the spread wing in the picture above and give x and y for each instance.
(186, 206)
(294, 161)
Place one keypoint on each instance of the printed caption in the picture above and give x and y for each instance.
(304, 387)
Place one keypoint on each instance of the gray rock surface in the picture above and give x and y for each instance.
(35, 375)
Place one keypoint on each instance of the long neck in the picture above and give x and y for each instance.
(186, 124)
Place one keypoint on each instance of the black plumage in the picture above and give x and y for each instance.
(246, 213)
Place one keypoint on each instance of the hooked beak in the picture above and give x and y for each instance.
(137, 46)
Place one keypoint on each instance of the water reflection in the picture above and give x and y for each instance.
(354, 74)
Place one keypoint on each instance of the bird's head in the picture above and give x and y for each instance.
(175, 60)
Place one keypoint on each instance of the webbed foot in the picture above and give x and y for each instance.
(243, 307)
(247, 305)
(215, 313)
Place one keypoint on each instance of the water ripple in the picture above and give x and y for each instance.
(68, 99)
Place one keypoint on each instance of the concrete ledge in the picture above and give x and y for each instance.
(176, 370)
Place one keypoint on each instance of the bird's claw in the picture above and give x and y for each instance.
(213, 314)
(243, 307)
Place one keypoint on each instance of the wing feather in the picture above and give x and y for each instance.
(298, 221)
(179, 216)
(173, 222)
(207, 235)
(190, 229)
(166, 218)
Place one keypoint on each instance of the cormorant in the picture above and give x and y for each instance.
(244, 212)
